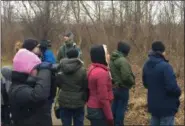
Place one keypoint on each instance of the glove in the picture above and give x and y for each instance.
(110, 122)
(55, 67)
(44, 65)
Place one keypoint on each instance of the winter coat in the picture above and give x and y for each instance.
(100, 89)
(48, 56)
(73, 83)
(65, 48)
(121, 71)
(163, 90)
(29, 99)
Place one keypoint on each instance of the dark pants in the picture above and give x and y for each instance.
(120, 104)
(162, 121)
(5, 115)
(51, 103)
(76, 114)
(96, 116)
(98, 122)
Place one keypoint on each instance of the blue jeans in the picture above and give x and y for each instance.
(120, 104)
(76, 114)
(162, 121)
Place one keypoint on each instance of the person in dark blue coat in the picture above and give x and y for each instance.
(163, 90)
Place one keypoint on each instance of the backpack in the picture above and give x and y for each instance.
(64, 49)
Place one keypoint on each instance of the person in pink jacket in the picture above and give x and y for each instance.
(100, 88)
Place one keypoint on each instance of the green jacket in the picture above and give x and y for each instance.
(73, 84)
(121, 71)
(64, 48)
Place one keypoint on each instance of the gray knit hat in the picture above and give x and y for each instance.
(70, 35)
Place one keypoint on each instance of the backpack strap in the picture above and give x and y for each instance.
(64, 50)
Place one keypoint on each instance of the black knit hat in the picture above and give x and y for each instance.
(30, 44)
(72, 53)
(158, 46)
(97, 53)
(44, 44)
(123, 47)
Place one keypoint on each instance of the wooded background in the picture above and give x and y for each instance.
(138, 22)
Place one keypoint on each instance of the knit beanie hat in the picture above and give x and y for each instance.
(6, 71)
(72, 53)
(24, 61)
(70, 35)
(30, 44)
(97, 53)
(123, 47)
(158, 46)
(43, 45)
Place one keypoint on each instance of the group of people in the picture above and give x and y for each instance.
(37, 80)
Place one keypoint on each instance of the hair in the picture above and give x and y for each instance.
(18, 45)
(123, 47)
(73, 53)
(158, 46)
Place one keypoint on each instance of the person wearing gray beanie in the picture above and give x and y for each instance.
(68, 44)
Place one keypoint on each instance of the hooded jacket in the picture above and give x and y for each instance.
(100, 86)
(29, 99)
(121, 70)
(25, 60)
(163, 90)
(73, 83)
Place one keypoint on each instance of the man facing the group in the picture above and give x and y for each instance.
(68, 44)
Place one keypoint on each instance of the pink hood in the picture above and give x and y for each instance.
(24, 61)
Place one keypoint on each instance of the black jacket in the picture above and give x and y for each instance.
(29, 99)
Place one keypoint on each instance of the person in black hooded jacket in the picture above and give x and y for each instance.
(30, 89)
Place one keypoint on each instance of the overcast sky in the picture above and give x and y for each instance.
(157, 7)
